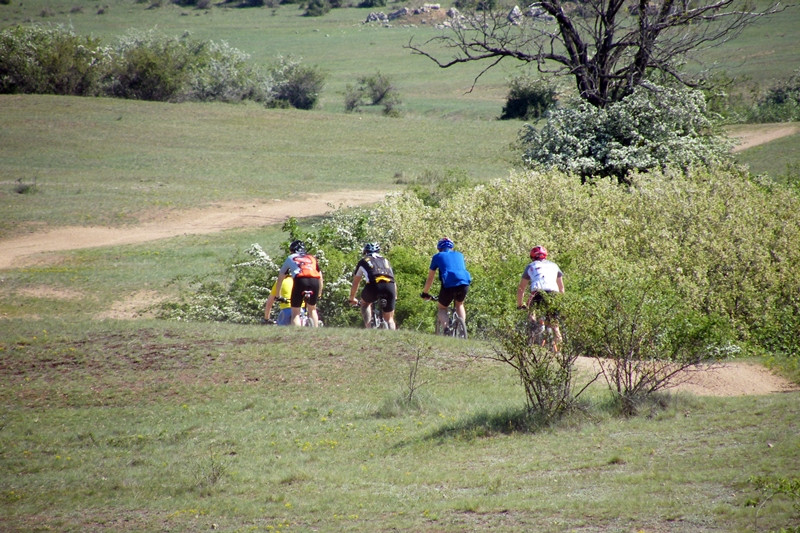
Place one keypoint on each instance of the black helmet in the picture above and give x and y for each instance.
(297, 247)
(372, 248)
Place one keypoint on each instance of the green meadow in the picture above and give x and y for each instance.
(138, 424)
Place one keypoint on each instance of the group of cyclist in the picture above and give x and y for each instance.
(300, 284)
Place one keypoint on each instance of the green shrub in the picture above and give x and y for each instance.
(703, 264)
(147, 66)
(433, 187)
(529, 99)
(376, 89)
(239, 298)
(548, 377)
(781, 103)
(223, 74)
(50, 60)
(642, 330)
(647, 130)
(317, 8)
(295, 85)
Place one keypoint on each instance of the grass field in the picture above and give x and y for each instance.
(149, 426)
(345, 48)
(146, 425)
(122, 159)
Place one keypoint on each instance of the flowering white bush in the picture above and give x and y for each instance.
(650, 129)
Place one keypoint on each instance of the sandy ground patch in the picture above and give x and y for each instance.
(761, 135)
(137, 305)
(731, 378)
(23, 251)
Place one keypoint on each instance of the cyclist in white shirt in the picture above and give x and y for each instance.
(545, 279)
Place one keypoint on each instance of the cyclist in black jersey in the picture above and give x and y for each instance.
(380, 284)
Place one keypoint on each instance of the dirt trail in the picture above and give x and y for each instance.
(26, 250)
(761, 135)
(731, 378)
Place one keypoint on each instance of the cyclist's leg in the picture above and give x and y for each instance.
(537, 317)
(442, 318)
(296, 316)
(460, 295)
(296, 301)
(366, 314)
(555, 328)
(368, 297)
(461, 311)
(388, 316)
(388, 292)
(460, 329)
(309, 286)
(446, 296)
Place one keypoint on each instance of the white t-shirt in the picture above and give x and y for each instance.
(543, 275)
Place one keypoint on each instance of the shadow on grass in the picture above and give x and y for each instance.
(487, 424)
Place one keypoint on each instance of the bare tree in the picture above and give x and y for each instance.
(608, 46)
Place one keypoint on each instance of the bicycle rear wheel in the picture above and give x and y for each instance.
(459, 328)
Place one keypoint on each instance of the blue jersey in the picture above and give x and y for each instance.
(452, 270)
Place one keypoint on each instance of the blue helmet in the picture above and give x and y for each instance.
(297, 247)
(372, 248)
(445, 244)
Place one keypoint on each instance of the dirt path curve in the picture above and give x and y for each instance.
(26, 250)
(761, 134)
(729, 378)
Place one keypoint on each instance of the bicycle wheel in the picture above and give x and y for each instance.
(459, 328)
(536, 333)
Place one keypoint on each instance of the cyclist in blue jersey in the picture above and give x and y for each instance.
(454, 277)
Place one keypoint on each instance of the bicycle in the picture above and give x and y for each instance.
(455, 327)
(305, 320)
(544, 332)
(376, 321)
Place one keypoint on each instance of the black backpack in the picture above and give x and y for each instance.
(376, 267)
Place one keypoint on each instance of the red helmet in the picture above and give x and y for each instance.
(538, 253)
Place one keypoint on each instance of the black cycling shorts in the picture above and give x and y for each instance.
(300, 286)
(447, 295)
(386, 290)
